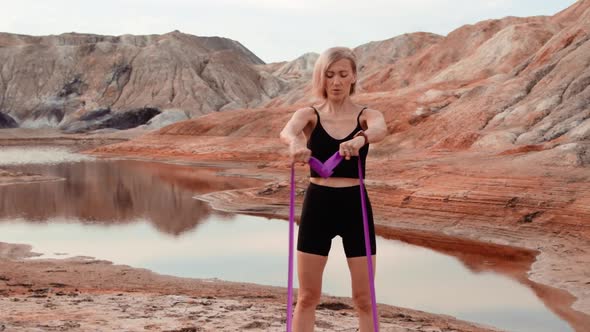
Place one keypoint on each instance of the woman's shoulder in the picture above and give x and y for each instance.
(368, 111)
(306, 112)
(370, 114)
(366, 108)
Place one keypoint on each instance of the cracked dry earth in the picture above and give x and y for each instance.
(152, 312)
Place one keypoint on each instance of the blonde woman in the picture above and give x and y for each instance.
(332, 206)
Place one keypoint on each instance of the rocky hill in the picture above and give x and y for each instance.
(54, 80)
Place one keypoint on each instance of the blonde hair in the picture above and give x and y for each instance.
(327, 58)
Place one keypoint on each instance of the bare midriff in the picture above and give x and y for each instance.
(335, 182)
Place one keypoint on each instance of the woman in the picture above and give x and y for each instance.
(332, 206)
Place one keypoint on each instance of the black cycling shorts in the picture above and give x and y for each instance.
(330, 211)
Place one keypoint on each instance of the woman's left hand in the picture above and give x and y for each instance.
(351, 147)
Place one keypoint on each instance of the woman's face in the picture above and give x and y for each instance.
(338, 79)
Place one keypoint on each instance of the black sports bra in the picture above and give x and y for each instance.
(323, 146)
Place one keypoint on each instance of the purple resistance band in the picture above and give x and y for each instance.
(291, 231)
(325, 170)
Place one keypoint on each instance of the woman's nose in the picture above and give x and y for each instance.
(337, 81)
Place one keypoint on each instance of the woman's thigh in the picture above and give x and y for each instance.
(310, 268)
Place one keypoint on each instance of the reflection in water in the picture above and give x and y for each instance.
(115, 192)
(151, 206)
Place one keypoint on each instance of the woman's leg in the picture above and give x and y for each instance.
(310, 269)
(361, 291)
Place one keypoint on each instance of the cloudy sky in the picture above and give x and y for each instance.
(275, 30)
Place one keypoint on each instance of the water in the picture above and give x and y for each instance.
(47, 155)
(142, 214)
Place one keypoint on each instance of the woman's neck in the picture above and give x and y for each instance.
(338, 106)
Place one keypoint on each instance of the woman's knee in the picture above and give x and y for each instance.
(362, 302)
(307, 299)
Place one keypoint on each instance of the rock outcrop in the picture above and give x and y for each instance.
(47, 81)
(6, 121)
(104, 119)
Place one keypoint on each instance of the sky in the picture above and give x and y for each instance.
(274, 30)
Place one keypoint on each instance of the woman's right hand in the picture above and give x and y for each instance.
(299, 153)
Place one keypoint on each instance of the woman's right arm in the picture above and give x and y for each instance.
(293, 136)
